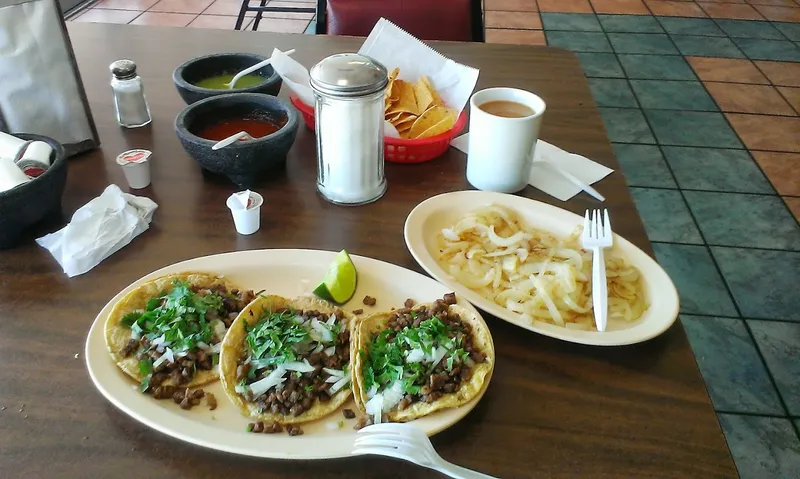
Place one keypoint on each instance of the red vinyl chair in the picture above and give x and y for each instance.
(453, 20)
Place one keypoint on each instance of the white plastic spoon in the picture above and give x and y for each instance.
(242, 135)
(251, 69)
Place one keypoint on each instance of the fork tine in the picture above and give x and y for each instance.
(383, 452)
(393, 443)
(393, 428)
(595, 224)
(587, 225)
(606, 224)
(381, 437)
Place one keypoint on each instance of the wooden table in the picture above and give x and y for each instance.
(553, 409)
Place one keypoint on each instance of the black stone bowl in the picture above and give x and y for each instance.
(200, 68)
(244, 161)
(26, 204)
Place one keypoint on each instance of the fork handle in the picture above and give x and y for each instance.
(599, 289)
(459, 472)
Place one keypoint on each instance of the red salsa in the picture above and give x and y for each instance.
(256, 128)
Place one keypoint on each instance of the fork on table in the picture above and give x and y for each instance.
(597, 236)
(407, 442)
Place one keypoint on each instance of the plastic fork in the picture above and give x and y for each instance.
(597, 236)
(407, 442)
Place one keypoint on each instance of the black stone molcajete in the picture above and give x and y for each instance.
(244, 161)
(200, 68)
(26, 204)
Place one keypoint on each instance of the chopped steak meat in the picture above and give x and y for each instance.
(362, 422)
(369, 301)
(211, 401)
(294, 430)
(409, 303)
(348, 414)
(130, 347)
(449, 298)
(358, 311)
(299, 392)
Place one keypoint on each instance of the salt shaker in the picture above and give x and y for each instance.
(129, 100)
(348, 103)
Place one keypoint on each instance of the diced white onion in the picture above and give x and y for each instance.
(299, 319)
(372, 391)
(438, 354)
(331, 320)
(319, 332)
(275, 378)
(392, 396)
(415, 356)
(203, 346)
(319, 348)
(219, 329)
(340, 384)
(135, 334)
(330, 351)
(333, 426)
(301, 366)
(332, 379)
(166, 357)
(158, 341)
(375, 407)
(334, 372)
(215, 348)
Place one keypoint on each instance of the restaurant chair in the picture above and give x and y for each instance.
(452, 20)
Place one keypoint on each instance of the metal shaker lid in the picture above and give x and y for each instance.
(123, 69)
(348, 75)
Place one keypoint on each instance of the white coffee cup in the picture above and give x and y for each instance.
(500, 151)
(247, 220)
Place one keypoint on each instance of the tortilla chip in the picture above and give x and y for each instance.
(431, 117)
(406, 100)
(445, 124)
(437, 100)
(117, 336)
(233, 348)
(390, 93)
(424, 96)
(369, 327)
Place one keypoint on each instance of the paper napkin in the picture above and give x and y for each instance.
(395, 48)
(546, 178)
(99, 229)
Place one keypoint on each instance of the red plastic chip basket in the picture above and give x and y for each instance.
(399, 150)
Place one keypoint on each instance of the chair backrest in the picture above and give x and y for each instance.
(453, 20)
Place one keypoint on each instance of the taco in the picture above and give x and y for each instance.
(287, 361)
(167, 333)
(411, 362)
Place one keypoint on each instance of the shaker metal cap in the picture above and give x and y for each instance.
(348, 75)
(123, 69)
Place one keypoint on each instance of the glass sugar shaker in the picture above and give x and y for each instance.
(129, 99)
(348, 105)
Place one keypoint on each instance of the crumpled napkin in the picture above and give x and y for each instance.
(99, 229)
(547, 160)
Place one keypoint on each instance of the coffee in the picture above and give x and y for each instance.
(506, 109)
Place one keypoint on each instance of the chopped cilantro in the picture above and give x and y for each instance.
(309, 388)
(385, 361)
(179, 317)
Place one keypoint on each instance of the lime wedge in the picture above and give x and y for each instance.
(339, 283)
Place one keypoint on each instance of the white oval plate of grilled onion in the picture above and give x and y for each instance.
(520, 260)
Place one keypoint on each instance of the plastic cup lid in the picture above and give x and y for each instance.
(133, 156)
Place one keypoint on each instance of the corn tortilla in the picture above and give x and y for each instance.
(233, 348)
(368, 328)
(117, 335)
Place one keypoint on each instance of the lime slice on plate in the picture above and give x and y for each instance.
(339, 283)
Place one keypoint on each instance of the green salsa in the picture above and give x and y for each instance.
(220, 82)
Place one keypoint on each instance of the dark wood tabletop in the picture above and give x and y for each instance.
(553, 409)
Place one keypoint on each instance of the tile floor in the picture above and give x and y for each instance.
(701, 101)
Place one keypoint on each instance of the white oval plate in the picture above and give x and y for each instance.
(429, 217)
(289, 273)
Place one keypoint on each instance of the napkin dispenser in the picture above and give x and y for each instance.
(42, 90)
